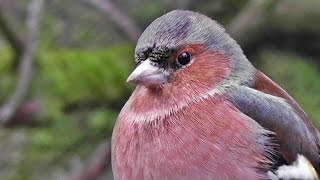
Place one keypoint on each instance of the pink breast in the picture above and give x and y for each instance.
(207, 140)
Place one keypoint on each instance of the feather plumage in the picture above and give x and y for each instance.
(213, 117)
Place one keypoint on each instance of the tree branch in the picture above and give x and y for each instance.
(6, 28)
(25, 66)
(132, 30)
(98, 162)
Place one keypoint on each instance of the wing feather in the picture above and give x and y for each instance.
(275, 110)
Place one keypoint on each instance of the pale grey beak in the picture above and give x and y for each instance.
(148, 74)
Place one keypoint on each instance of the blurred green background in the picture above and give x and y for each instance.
(84, 53)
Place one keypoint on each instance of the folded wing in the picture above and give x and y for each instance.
(275, 110)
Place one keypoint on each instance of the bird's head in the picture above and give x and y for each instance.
(186, 50)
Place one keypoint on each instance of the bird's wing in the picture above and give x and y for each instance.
(275, 110)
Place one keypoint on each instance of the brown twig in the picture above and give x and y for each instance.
(132, 30)
(96, 165)
(8, 109)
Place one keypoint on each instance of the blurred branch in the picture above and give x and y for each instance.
(25, 66)
(15, 41)
(98, 162)
(290, 24)
(127, 24)
(250, 22)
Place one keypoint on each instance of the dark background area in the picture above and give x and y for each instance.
(63, 66)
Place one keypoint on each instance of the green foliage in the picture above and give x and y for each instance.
(6, 55)
(101, 121)
(49, 145)
(49, 30)
(75, 75)
(6, 79)
(67, 77)
(298, 76)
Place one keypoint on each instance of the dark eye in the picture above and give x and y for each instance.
(184, 58)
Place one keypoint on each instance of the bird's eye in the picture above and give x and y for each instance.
(184, 58)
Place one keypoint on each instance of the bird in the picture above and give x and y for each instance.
(201, 110)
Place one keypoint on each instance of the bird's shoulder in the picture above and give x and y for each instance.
(275, 110)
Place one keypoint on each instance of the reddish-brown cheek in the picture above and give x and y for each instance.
(206, 70)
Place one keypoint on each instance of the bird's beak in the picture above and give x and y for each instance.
(148, 74)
